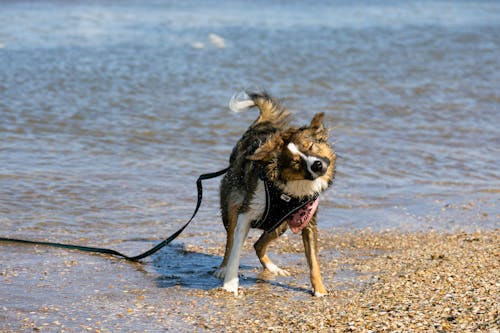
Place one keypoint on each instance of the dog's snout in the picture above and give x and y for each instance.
(319, 166)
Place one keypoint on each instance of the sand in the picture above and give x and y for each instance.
(378, 282)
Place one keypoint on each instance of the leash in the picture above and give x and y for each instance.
(118, 254)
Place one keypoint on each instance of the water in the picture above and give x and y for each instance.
(108, 112)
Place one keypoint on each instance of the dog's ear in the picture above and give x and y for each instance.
(269, 150)
(317, 121)
(320, 133)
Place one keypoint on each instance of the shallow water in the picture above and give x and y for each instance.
(109, 111)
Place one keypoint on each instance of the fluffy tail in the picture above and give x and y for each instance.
(270, 109)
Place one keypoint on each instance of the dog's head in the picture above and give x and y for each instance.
(299, 160)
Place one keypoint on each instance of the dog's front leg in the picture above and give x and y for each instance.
(240, 234)
(310, 240)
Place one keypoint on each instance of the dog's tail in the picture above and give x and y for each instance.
(270, 109)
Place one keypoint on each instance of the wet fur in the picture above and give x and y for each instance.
(285, 154)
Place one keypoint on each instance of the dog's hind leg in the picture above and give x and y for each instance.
(261, 249)
(231, 281)
(229, 218)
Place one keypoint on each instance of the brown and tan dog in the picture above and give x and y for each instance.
(276, 174)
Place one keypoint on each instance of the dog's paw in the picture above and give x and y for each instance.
(231, 286)
(220, 272)
(276, 270)
(320, 293)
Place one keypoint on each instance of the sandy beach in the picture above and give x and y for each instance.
(378, 282)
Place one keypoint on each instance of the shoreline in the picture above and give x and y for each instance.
(378, 281)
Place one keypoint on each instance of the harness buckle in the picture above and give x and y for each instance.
(285, 197)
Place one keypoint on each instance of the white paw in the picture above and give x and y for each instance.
(220, 272)
(318, 294)
(276, 270)
(231, 286)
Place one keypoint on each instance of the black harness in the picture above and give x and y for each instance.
(279, 206)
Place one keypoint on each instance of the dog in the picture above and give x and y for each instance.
(275, 175)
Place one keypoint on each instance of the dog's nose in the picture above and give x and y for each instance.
(320, 166)
(317, 166)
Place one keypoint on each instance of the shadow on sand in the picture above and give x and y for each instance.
(177, 266)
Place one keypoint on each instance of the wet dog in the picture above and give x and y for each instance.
(276, 173)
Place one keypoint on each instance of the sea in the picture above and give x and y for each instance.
(110, 110)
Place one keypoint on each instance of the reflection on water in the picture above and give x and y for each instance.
(109, 112)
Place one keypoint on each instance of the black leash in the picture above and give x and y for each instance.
(118, 254)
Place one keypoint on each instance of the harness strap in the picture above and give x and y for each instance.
(118, 254)
(282, 207)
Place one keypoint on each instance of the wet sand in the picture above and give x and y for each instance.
(379, 282)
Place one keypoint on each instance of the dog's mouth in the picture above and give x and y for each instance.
(299, 219)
